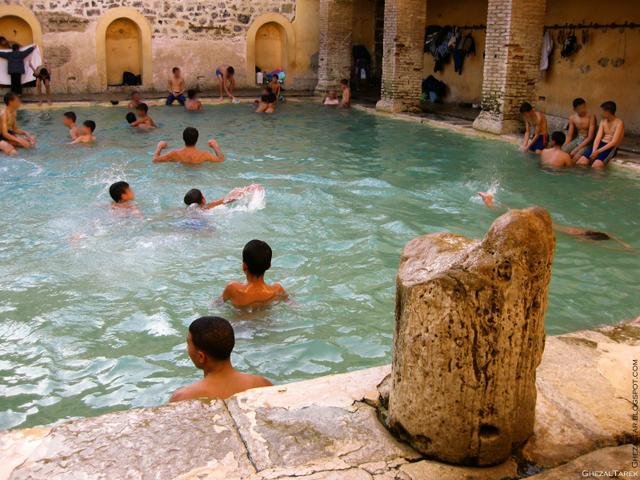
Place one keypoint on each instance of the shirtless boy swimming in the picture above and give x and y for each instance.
(256, 260)
(210, 341)
(226, 76)
(608, 139)
(177, 87)
(582, 129)
(195, 197)
(536, 133)
(555, 156)
(85, 133)
(11, 135)
(190, 154)
(143, 119)
(192, 103)
(69, 121)
(122, 194)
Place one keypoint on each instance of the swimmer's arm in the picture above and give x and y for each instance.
(227, 293)
(219, 156)
(152, 123)
(597, 141)
(226, 87)
(181, 394)
(527, 131)
(281, 292)
(168, 157)
(8, 135)
(79, 140)
(214, 204)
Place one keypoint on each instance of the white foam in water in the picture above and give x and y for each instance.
(247, 199)
(492, 190)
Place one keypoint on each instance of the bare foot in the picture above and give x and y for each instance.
(487, 198)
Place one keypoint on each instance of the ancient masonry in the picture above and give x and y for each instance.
(334, 62)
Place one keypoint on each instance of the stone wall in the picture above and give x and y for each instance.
(197, 35)
(336, 25)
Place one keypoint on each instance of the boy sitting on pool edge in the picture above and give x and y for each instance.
(210, 341)
(256, 260)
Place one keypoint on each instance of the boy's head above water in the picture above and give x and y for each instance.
(69, 119)
(190, 136)
(11, 100)
(256, 258)
(88, 127)
(192, 94)
(210, 340)
(131, 117)
(194, 196)
(121, 192)
(557, 139)
(142, 109)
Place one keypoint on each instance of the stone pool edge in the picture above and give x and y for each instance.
(327, 428)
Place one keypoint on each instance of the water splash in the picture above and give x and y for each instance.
(246, 199)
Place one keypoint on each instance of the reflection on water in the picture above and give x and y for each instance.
(94, 305)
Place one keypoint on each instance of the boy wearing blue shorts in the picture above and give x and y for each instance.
(608, 139)
(536, 135)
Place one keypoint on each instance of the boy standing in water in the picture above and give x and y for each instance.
(554, 155)
(536, 134)
(608, 139)
(69, 121)
(143, 119)
(210, 341)
(176, 87)
(192, 103)
(190, 154)
(227, 80)
(85, 133)
(256, 260)
(582, 124)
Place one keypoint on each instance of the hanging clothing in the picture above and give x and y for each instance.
(547, 47)
(464, 48)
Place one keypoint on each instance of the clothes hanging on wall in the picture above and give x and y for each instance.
(547, 48)
(445, 42)
(464, 48)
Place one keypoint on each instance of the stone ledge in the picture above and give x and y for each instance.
(326, 429)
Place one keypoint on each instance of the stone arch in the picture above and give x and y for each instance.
(24, 27)
(267, 32)
(125, 32)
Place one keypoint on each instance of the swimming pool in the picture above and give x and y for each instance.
(94, 307)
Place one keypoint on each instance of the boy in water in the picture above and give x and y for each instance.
(582, 124)
(9, 131)
(554, 155)
(143, 118)
(256, 260)
(122, 195)
(267, 102)
(135, 100)
(345, 102)
(69, 121)
(536, 134)
(226, 76)
(331, 98)
(85, 133)
(190, 154)
(608, 139)
(276, 88)
(192, 103)
(176, 87)
(195, 196)
(210, 341)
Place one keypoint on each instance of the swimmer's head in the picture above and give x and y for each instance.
(121, 192)
(557, 139)
(194, 196)
(131, 117)
(231, 71)
(580, 106)
(192, 94)
(88, 127)
(256, 258)
(69, 119)
(142, 109)
(11, 100)
(594, 235)
(176, 71)
(526, 108)
(344, 83)
(210, 339)
(608, 109)
(190, 136)
(333, 94)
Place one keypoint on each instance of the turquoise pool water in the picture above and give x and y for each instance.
(94, 307)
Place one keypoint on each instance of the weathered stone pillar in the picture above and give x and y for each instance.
(334, 58)
(403, 54)
(468, 338)
(511, 62)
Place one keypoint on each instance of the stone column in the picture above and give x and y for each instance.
(403, 54)
(334, 59)
(511, 62)
(469, 335)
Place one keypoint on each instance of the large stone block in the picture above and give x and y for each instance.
(468, 338)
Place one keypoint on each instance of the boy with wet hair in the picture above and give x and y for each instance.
(121, 193)
(69, 121)
(210, 341)
(143, 119)
(190, 154)
(554, 156)
(608, 139)
(85, 133)
(256, 260)
(195, 197)
(536, 134)
(582, 129)
(192, 103)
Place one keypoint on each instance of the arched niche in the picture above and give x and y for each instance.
(19, 25)
(270, 41)
(123, 42)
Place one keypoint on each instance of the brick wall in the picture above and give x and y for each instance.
(336, 24)
(403, 46)
(512, 60)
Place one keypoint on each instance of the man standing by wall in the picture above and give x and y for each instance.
(15, 65)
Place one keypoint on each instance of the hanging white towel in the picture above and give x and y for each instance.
(36, 60)
(547, 47)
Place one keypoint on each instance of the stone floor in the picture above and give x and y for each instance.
(328, 429)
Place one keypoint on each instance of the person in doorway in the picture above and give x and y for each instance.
(85, 133)
(42, 73)
(256, 260)
(9, 130)
(345, 102)
(536, 134)
(582, 129)
(15, 65)
(608, 139)
(190, 154)
(210, 341)
(226, 76)
(177, 87)
(331, 98)
(193, 103)
(69, 120)
(555, 156)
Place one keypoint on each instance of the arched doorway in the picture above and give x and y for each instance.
(16, 30)
(123, 50)
(270, 47)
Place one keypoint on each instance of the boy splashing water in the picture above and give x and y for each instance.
(256, 260)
